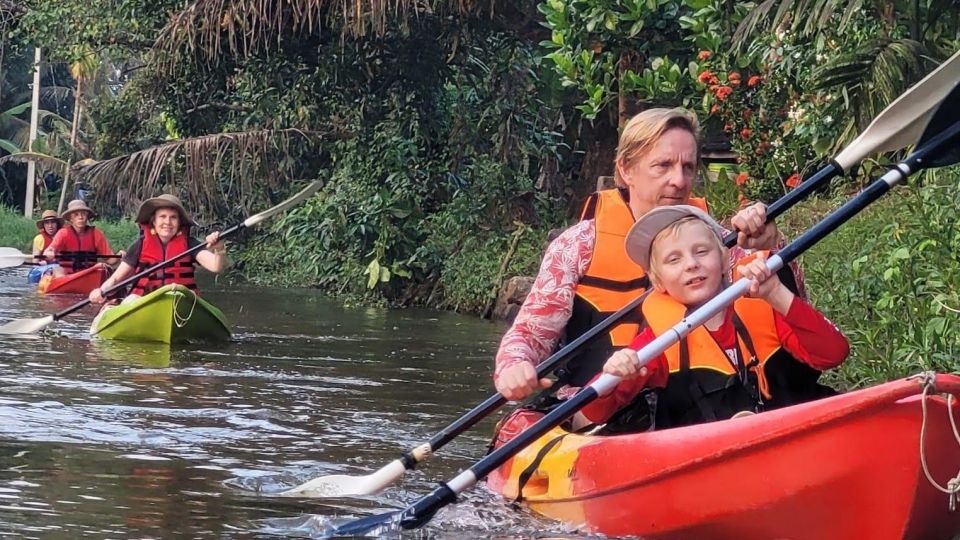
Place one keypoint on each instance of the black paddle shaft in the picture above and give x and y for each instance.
(195, 249)
(557, 359)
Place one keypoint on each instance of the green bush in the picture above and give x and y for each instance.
(889, 279)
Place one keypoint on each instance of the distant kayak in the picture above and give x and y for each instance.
(847, 466)
(170, 314)
(81, 282)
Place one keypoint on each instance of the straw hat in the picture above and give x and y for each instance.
(640, 238)
(49, 215)
(149, 206)
(77, 205)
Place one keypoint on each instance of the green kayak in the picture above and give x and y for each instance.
(170, 314)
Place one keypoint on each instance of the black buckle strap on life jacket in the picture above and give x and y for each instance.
(615, 285)
(745, 368)
(534, 465)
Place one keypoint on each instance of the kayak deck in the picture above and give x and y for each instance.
(170, 314)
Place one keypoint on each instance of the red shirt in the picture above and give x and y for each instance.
(65, 240)
(804, 332)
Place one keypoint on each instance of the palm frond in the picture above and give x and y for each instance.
(43, 161)
(805, 17)
(207, 170)
(206, 28)
(875, 74)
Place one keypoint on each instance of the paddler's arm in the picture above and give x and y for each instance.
(121, 273)
(214, 258)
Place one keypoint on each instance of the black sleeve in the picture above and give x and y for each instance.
(133, 252)
(193, 242)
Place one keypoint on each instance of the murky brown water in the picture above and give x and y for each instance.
(112, 440)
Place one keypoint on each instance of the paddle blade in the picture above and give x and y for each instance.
(902, 122)
(9, 261)
(26, 326)
(303, 195)
(342, 485)
(377, 525)
(946, 115)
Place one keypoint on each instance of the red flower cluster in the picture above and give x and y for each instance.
(734, 78)
(704, 55)
(722, 92)
(793, 181)
(742, 178)
(707, 77)
(745, 133)
(754, 80)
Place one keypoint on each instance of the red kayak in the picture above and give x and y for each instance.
(81, 282)
(844, 467)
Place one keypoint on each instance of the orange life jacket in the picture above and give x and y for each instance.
(84, 250)
(611, 281)
(705, 384)
(152, 251)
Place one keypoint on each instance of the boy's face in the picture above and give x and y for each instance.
(664, 175)
(79, 220)
(690, 264)
(50, 226)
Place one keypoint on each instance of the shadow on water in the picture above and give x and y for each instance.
(122, 440)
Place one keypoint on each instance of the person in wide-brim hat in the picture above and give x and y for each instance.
(49, 216)
(149, 206)
(164, 236)
(78, 205)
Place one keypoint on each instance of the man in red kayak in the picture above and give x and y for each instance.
(77, 245)
(762, 352)
(586, 275)
(164, 233)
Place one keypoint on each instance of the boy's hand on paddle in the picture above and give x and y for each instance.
(765, 284)
(753, 231)
(625, 364)
(519, 381)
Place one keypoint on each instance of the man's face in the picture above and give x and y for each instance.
(665, 174)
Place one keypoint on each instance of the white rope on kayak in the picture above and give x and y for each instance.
(179, 320)
(952, 488)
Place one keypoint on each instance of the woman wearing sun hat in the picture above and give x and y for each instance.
(164, 233)
(48, 225)
(77, 245)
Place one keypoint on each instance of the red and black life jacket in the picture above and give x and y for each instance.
(83, 252)
(152, 251)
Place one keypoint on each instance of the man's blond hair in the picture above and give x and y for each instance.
(645, 129)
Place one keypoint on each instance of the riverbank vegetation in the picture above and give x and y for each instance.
(452, 137)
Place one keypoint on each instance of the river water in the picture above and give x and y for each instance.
(112, 440)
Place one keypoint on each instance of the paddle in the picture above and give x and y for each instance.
(30, 326)
(10, 257)
(896, 127)
(939, 147)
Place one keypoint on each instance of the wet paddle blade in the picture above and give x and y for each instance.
(342, 485)
(303, 195)
(946, 115)
(26, 326)
(904, 120)
(10, 261)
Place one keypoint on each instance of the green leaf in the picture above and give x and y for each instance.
(373, 273)
(9, 146)
(384, 274)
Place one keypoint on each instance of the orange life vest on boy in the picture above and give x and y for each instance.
(47, 240)
(706, 384)
(152, 251)
(611, 281)
(84, 252)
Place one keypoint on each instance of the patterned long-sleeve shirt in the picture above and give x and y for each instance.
(543, 316)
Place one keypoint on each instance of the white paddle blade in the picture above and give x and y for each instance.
(902, 123)
(21, 327)
(289, 203)
(11, 252)
(9, 261)
(342, 485)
